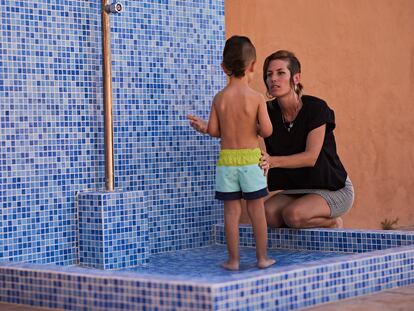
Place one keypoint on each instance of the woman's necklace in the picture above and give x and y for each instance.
(288, 125)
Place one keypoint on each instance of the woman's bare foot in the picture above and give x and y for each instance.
(265, 263)
(339, 223)
(231, 265)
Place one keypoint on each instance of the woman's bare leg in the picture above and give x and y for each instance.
(257, 216)
(274, 204)
(309, 211)
(232, 212)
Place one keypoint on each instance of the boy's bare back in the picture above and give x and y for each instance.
(238, 110)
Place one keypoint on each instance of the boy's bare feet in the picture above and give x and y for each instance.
(230, 265)
(265, 263)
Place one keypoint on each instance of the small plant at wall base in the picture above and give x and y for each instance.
(389, 224)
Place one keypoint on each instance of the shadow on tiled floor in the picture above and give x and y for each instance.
(398, 299)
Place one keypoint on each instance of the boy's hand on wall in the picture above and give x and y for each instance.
(198, 124)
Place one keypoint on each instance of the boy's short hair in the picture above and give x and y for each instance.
(238, 53)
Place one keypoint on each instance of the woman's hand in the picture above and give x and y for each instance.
(198, 124)
(264, 163)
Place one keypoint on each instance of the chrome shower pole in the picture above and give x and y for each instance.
(107, 93)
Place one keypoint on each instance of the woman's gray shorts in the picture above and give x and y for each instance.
(339, 201)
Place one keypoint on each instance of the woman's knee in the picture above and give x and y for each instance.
(273, 218)
(293, 217)
(274, 206)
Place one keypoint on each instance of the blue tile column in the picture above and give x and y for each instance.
(113, 229)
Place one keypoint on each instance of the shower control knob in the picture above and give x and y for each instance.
(115, 7)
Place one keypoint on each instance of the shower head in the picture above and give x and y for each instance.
(115, 7)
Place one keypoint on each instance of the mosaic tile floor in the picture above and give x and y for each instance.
(191, 272)
(397, 299)
(203, 264)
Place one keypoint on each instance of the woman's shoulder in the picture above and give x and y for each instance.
(272, 105)
(317, 109)
(313, 100)
(314, 104)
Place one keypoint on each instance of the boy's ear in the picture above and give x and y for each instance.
(252, 66)
(226, 71)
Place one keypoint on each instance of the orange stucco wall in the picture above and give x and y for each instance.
(359, 56)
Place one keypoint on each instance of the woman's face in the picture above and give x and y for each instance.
(278, 78)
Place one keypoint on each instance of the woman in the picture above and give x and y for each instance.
(308, 184)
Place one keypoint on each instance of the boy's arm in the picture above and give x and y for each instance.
(265, 125)
(213, 127)
(198, 124)
(262, 145)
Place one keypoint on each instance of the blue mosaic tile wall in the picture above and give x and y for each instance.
(113, 229)
(323, 240)
(166, 56)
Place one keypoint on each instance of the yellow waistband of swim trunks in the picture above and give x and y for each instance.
(239, 157)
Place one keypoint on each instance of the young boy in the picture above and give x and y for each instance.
(238, 114)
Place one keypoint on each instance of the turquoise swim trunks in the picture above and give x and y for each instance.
(238, 175)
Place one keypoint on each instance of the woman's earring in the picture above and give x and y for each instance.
(268, 95)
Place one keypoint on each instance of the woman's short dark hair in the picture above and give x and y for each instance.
(293, 66)
(238, 53)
